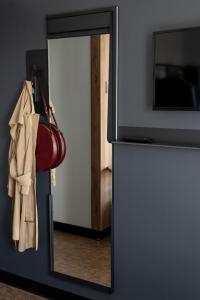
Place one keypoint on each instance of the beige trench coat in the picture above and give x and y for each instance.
(22, 171)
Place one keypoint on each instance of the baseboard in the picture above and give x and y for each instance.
(87, 232)
(36, 287)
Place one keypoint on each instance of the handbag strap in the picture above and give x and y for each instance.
(47, 108)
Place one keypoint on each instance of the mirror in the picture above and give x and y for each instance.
(82, 63)
(82, 196)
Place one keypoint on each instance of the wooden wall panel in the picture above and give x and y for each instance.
(101, 189)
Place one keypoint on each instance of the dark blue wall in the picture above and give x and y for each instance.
(157, 190)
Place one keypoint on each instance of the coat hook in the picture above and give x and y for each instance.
(35, 73)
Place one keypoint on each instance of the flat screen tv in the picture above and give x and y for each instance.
(177, 69)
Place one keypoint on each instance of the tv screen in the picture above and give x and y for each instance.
(177, 70)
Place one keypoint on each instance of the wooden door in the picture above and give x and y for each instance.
(101, 150)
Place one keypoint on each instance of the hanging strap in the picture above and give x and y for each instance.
(47, 108)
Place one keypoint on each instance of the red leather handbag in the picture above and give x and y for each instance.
(61, 145)
(51, 145)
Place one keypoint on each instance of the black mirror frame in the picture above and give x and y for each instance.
(90, 22)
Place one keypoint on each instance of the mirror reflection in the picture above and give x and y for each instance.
(82, 195)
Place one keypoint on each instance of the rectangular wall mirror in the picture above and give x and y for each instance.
(82, 86)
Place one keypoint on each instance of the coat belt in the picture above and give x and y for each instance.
(24, 182)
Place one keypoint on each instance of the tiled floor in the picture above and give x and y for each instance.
(10, 293)
(83, 257)
(76, 256)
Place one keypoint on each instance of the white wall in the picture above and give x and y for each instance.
(70, 84)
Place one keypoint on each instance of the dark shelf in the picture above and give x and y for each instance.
(161, 136)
